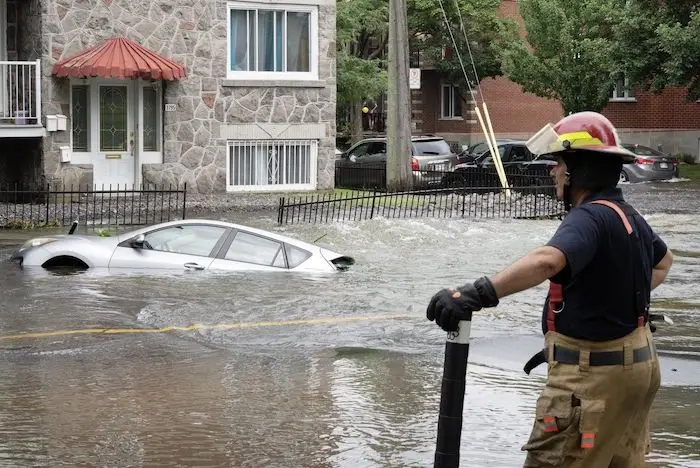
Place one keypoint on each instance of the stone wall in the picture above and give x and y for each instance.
(192, 32)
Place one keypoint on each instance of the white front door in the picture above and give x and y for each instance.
(113, 114)
(116, 126)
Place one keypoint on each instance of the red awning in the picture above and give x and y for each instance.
(119, 58)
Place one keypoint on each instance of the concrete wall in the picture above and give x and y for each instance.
(192, 32)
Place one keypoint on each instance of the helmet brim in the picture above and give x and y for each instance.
(626, 155)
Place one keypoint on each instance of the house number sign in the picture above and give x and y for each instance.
(170, 107)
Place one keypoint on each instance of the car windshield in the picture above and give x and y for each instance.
(437, 146)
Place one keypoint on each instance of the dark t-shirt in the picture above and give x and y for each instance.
(598, 280)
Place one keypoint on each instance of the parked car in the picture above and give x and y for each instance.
(522, 168)
(650, 165)
(194, 244)
(473, 152)
(364, 163)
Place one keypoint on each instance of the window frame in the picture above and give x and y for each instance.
(311, 75)
(453, 92)
(627, 94)
(280, 250)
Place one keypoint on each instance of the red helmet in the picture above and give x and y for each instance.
(589, 131)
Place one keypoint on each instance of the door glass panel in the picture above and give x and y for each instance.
(151, 120)
(187, 239)
(80, 107)
(250, 248)
(113, 118)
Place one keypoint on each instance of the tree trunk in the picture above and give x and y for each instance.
(355, 122)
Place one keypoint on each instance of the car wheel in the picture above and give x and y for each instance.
(624, 177)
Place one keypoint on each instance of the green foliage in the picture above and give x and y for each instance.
(573, 50)
(359, 78)
(686, 158)
(362, 35)
(659, 44)
(490, 37)
(362, 31)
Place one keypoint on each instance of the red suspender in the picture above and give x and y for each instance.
(556, 300)
(556, 294)
(619, 212)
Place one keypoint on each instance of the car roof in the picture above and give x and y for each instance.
(413, 138)
(227, 224)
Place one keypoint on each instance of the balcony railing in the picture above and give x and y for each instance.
(20, 93)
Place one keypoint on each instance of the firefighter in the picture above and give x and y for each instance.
(602, 263)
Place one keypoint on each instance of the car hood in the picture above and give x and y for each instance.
(98, 240)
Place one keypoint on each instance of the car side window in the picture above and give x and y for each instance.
(504, 154)
(250, 248)
(519, 153)
(360, 150)
(296, 256)
(189, 239)
(378, 147)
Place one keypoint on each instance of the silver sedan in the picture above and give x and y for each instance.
(194, 244)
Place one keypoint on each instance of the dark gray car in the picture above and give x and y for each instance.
(650, 164)
(431, 156)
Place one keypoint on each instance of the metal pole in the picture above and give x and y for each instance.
(452, 396)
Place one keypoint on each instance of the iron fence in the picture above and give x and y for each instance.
(28, 207)
(530, 202)
(474, 179)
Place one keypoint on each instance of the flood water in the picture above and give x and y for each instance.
(360, 390)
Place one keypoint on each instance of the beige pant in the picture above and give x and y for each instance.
(606, 405)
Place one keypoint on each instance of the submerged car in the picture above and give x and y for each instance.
(194, 244)
(650, 164)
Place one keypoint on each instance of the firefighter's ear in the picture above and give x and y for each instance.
(567, 178)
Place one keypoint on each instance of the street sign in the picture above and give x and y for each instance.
(414, 78)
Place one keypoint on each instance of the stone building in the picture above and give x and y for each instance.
(221, 95)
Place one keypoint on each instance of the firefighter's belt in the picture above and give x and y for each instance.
(597, 358)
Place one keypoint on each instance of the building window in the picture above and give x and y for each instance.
(623, 91)
(271, 164)
(267, 41)
(80, 110)
(451, 100)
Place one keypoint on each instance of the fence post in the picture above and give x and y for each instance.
(280, 211)
(184, 200)
(374, 199)
(48, 201)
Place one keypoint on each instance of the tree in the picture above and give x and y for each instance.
(362, 33)
(491, 37)
(572, 52)
(659, 44)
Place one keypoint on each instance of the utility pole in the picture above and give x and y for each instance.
(398, 167)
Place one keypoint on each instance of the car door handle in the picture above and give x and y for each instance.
(194, 266)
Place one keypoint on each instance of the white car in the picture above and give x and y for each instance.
(194, 244)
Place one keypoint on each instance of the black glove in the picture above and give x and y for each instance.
(449, 306)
